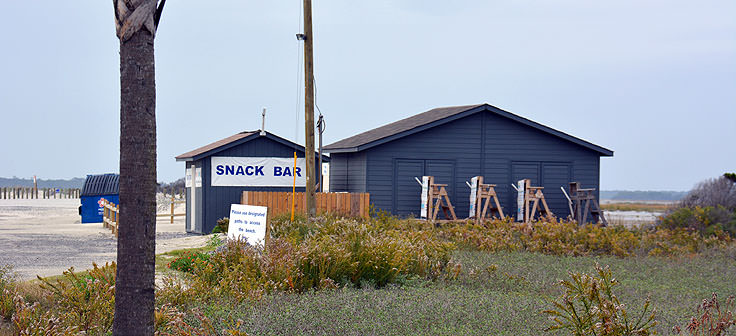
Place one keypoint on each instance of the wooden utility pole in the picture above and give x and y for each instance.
(309, 108)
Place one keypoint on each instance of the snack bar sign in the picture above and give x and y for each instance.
(257, 172)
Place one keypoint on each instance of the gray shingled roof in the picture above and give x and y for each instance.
(214, 145)
(235, 140)
(434, 117)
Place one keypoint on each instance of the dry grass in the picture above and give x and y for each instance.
(6, 329)
(336, 260)
(636, 206)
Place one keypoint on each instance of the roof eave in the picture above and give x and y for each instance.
(589, 145)
(483, 107)
(408, 132)
(340, 150)
(241, 141)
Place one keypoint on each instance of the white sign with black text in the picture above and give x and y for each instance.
(473, 196)
(520, 191)
(248, 222)
(423, 210)
(197, 179)
(257, 172)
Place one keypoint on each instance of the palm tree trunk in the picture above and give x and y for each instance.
(134, 290)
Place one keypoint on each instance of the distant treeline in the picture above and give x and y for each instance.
(176, 187)
(642, 195)
(75, 183)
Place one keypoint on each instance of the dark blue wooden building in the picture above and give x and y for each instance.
(454, 144)
(211, 199)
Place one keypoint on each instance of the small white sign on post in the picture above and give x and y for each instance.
(425, 195)
(473, 195)
(198, 177)
(520, 200)
(248, 222)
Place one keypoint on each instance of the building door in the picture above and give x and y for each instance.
(406, 189)
(551, 176)
(407, 192)
(520, 171)
(444, 173)
(554, 176)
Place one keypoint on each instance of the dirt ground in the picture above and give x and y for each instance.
(45, 237)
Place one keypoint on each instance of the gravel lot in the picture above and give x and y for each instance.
(45, 237)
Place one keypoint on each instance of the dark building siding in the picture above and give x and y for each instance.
(513, 151)
(339, 171)
(217, 200)
(449, 152)
(349, 173)
(500, 149)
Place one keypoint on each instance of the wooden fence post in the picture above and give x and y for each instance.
(172, 208)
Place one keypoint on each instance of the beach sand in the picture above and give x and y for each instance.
(46, 237)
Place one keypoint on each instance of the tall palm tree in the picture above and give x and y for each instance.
(136, 22)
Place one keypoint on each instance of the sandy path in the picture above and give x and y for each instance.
(45, 237)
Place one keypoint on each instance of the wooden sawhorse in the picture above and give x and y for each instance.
(438, 198)
(580, 211)
(532, 197)
(486, 192)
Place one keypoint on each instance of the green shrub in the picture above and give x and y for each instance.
(295, 231)
(34, 320)
(215, 241)
(7, 291)
(188, 261)
(85, 302)
(222, 225)
(589, 307)
(569, 238)
(326, 252)
(171, 322)
(707, 220)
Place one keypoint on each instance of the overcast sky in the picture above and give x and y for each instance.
(654, 81)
